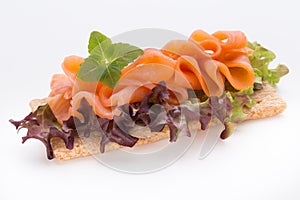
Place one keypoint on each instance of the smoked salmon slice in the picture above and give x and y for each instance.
(203, 62)
(230, 54)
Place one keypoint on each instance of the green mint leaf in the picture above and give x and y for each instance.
(111, 76)
(260, 60)
(96, 38)
(91, 69)
(122, 54)
(106, 60)
(100, 51)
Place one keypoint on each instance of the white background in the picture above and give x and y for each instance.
(260, 161)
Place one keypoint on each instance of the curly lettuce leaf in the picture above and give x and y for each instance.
(260, 60)
(107, 130)
(155, 112)
(239, 100)
(42, 125)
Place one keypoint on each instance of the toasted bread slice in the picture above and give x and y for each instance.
(268, 103)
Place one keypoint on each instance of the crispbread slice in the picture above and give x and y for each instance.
(82, 148)
(268, 103)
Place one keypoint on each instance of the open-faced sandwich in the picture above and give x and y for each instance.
(119, 87)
